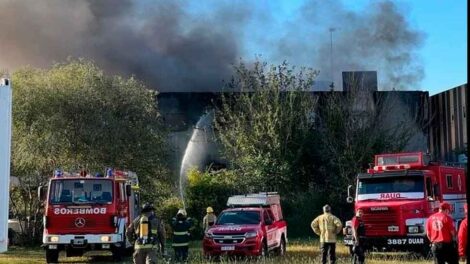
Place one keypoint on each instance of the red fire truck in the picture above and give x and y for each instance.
(398, 194)
(88, 213)
(252, 226)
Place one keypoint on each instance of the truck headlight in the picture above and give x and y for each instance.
(208, 234)
(251, 234)
(105, 238)
(413, 229)
(53, 239)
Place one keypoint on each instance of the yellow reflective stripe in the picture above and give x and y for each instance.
(179, 244)
(180, 233)
(154, 231)
(143, 246)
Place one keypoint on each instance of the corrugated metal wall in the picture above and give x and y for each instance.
(448, 133)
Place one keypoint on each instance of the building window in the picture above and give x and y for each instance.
(449, 181)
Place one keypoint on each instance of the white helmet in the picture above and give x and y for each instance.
(182, 212)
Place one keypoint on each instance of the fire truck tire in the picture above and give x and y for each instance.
(264, 250)
(52, 256)
(117, 255)
(281, 250)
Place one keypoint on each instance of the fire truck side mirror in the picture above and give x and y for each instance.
(41, 193)
(350, 199)
(128, 190)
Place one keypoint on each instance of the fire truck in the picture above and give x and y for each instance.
(253, 225)
(86, 212)
(398, 194)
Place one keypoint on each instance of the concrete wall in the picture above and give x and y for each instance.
(448, 135)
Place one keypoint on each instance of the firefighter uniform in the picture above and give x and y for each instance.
(327, 226)
(181, 225)
(441, 232)
(209, 219)
(359, 230)
(148, 234)
(463, 238)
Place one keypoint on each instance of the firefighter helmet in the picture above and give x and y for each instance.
(209, 210)
(182, 212)
(147, 208)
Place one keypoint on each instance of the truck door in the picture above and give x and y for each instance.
(270, 228)
(122, 200)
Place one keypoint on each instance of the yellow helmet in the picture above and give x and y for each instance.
(209, 210)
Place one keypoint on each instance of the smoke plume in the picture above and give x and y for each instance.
(186, 46)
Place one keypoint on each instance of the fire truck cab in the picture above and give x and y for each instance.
(88, 213)
(253, 225)
(397, 196)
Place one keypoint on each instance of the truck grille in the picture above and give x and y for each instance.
(376, 224)
(229, 238)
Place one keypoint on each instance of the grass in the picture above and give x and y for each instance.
(298, 251)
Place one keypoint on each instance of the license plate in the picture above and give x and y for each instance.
(106, 246)
(406, 241)
(227, 248)
(78, 241)
(52, 246)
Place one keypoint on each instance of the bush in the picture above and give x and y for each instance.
(209, 189)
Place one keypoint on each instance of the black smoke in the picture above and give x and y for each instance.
(173, 48)
(377, 38)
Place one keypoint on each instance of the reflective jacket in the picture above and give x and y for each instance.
(208, 221)
(463, 239)
(156, 233)
(327, 226)
(181, 231)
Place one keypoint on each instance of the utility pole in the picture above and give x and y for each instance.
(332, 85)
(5, 151)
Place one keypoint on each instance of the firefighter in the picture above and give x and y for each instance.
(327, 226)
(209, 219)
(147, 233)
(463, 239)
(181, 224)
(441, 233)
(358, 231)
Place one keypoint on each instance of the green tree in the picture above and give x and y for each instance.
(354, 126)
(265, 125)
(73, 116)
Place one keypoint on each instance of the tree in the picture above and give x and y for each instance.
(356, 125)
(265, 125)
(73, 116)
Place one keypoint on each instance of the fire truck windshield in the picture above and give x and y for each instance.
(239, 218)
(80, 191)
(391, 185)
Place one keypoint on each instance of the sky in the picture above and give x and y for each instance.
(181, 46)
(444, 52)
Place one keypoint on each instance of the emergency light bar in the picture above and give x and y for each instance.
(257, 199)
(398, 161)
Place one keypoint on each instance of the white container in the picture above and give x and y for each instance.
(5, 152)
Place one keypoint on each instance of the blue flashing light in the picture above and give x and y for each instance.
(109, 172)
(58, 173)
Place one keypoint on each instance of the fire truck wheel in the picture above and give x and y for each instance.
(281, 250)
(52, 255)
(117, 256)
(264, 251)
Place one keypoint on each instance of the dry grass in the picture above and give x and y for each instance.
(305, 251)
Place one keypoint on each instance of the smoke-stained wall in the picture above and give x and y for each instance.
(449, 124)
(188, 46)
